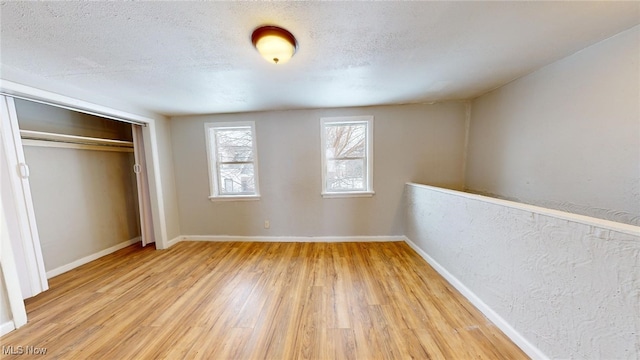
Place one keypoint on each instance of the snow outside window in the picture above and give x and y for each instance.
(233, 160)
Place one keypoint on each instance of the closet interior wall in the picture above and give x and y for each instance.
(85, 200)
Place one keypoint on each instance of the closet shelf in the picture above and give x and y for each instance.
(46, 139)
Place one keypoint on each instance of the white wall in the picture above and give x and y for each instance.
(567, 283)
(566, 136)
(422, 143)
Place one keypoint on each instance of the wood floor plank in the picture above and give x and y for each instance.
(235, 300)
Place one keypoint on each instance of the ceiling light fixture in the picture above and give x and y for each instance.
(275, 44)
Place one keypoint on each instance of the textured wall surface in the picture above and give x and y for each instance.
(570, 286)
(195, 57)
(566, 136)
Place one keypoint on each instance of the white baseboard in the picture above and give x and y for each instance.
(174, 241)
(326, 239)
(524, 344)
(7, 327)
(64, 268)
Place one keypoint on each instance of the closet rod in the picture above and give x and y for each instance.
(74, 139)
(89, 112)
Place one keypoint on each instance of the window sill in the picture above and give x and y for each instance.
(235, 198)
(333, 195)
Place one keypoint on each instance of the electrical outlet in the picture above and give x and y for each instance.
(267, 224)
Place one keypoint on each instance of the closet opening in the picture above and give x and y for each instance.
(88, 183)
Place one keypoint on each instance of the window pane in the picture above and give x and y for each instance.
(236, 179)
(234, 144)
(345, 140)
(346, 175)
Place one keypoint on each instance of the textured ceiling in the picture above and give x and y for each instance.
(176, 58)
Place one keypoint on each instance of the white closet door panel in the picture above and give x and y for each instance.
(27, 251)
(142, 180)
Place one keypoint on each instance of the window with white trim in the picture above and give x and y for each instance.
(347, 156)
(233, 160)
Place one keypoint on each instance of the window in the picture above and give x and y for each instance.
(347, 163)
(233, 160)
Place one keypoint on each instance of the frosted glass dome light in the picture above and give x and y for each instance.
(275, 44)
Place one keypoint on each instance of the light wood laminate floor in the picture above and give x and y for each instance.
(239, 300)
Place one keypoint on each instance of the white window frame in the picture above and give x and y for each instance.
(213, 165)
(368, 120)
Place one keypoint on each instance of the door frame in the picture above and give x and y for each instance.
(9, 89)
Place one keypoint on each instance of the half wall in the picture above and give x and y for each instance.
(560, 285)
